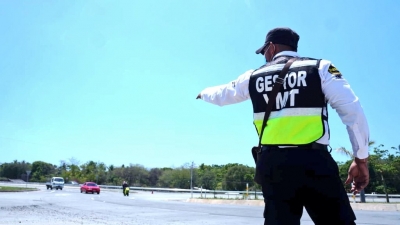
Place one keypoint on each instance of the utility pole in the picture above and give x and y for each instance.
(28, 172)
(191, 181)
(107, 172)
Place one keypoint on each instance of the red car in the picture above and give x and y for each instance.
(90, 187)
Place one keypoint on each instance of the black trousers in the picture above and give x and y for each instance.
(295, 178)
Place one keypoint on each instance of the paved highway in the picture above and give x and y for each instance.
(70, 207)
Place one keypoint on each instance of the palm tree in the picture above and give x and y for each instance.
(346, 152)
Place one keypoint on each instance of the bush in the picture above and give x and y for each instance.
(4, 179)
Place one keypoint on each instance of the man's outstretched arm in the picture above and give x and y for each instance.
(231, 93)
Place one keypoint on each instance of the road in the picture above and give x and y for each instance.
(70, 207)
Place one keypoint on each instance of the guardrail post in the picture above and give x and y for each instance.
(247, 191)
(362, 196)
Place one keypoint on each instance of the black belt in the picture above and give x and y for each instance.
(314, 145)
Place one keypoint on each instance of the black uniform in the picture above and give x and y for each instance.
(295, 168)
(297, 177)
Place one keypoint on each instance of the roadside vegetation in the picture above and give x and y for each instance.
(16, 189)
(4, 179)
(384, 165)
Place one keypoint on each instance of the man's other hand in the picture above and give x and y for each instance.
(358, 175)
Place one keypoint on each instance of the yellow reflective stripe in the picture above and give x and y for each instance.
(295, 130)
(290, 112)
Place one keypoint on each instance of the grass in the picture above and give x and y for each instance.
(16, 189)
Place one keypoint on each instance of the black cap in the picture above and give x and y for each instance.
(281, 35)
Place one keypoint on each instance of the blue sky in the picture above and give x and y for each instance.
(116, 81)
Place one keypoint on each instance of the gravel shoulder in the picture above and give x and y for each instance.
(356, 206)
(71, 207)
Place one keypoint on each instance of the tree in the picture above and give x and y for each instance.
(15, 169)
(136, 175)
(237, 176)
(74, 161)
(73, 173)
(384, 169)
(101, 173)
(348, 153)
(384, 164)
(178, 177)
(154, 176)
(343, 150)
(88, 171)
(41, 171)
(208, 180)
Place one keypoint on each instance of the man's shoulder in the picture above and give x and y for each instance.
(319, 61)
(308, 58)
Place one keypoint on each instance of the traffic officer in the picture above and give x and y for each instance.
(124, 186)
(295, 166)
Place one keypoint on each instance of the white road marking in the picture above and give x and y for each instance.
(62, 194)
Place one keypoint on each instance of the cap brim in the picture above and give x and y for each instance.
(261, 50)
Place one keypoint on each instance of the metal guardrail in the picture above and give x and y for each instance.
(199, 190)
(176, 190)
(227, 192)
(375, 195)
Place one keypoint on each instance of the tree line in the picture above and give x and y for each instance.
(232, 176)
(384, 167)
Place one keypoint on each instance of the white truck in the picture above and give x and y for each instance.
(55, 182)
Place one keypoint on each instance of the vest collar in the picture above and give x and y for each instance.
(286, 53)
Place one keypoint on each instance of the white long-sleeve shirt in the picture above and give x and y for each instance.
(337, 92)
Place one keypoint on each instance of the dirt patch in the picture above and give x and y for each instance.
(54, 215)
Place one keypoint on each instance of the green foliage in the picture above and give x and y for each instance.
(135, 175)
(154, 176)
(384, 170)
(178, 177)
(384, 167)
(167, 179)
(16, 189)
(208, 180)
(14, 170)
(41, 171)
(237, 176)
(343, 169)
(4, 179)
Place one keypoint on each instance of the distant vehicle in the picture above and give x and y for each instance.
(90, 187)
(55, 182)
(72, 183)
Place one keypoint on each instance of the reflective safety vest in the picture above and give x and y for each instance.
(297, 116)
